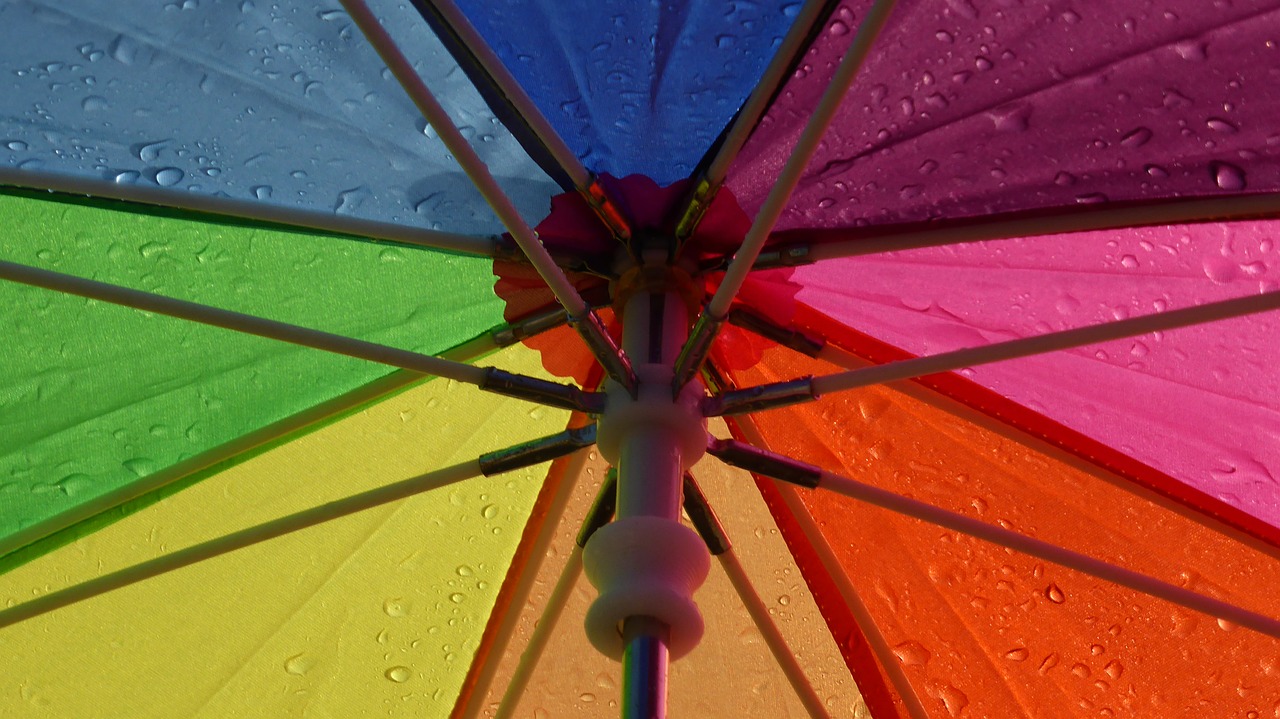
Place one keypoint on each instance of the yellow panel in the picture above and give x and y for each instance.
(377, 613)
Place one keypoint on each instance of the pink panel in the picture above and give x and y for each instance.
(1201, 404)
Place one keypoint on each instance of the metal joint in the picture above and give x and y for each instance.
(792, 256)
(755, 399)
(529, 327)
(695, 351)
(541, 391)
(602, 346)
(537, 451)
(704, 520)
(786, 336)
(607, 211)
(698, 201)
(762, 461)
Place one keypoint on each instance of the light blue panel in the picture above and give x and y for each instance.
(283, 101)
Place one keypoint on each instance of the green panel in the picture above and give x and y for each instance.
(94, 396)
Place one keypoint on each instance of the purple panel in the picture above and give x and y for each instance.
(970, 108)
(1201, 404)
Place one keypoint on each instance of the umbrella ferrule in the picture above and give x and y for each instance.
(537, 451)
(541, 391)
(765, 396)
(695, 351)
(529, 327)
(764, 462)
(605, 349)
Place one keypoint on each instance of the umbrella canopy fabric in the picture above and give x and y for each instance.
(994, 171)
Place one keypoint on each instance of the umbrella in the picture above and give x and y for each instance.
(975, 300)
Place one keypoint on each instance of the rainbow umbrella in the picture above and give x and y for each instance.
(854, 358)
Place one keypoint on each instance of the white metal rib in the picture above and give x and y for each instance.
(758, 101)
(585, 320)
(526, 577)
(775, 202)
(239, 322)
(247, 209)
(466, 156)
(1050, 342)
(1049, 552)
(1183, 210)
(238, 540)
(542, 631)
(514, 93)
(772, 635)
(853, 600)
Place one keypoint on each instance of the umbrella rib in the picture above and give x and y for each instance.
(752, 399)
(597, 516)
(451, 20)
(259, 211)
(1053, 221)
(483, 344)
(704, 520)
(541, 635)
(582, 316)
(489, 464)
(487, 378)
(794, 44)
(770, 464)
(875, 639)
(699, 343)
(543, 525)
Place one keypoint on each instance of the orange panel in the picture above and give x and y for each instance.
(985, 632)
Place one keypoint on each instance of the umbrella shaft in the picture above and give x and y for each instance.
(644, 669)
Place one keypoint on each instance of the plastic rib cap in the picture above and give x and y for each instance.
(645, 567)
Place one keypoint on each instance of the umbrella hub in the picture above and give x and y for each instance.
(646, 564)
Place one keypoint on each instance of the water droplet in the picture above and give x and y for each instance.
(1220, 125)
(465, 571)
(140, 466)
(912, 653)
(395, 607)
(168, 176)
(93, 103)
(1017, 654)
(1227, 176)
(1054, 594)
(784, 600)
(1192, 50)
(74, 484)
(1048, 663)
(350, 200)
(953, 699)
(261, 192)
(16, 145)
(1113, 669)
(587, 698)
(1129, 261)
(1011, 118)
(1080, 670)
(457, 597)
(298, 664)
(1137, 138)
(148, 151)
(398, 674)
(1220, 269)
